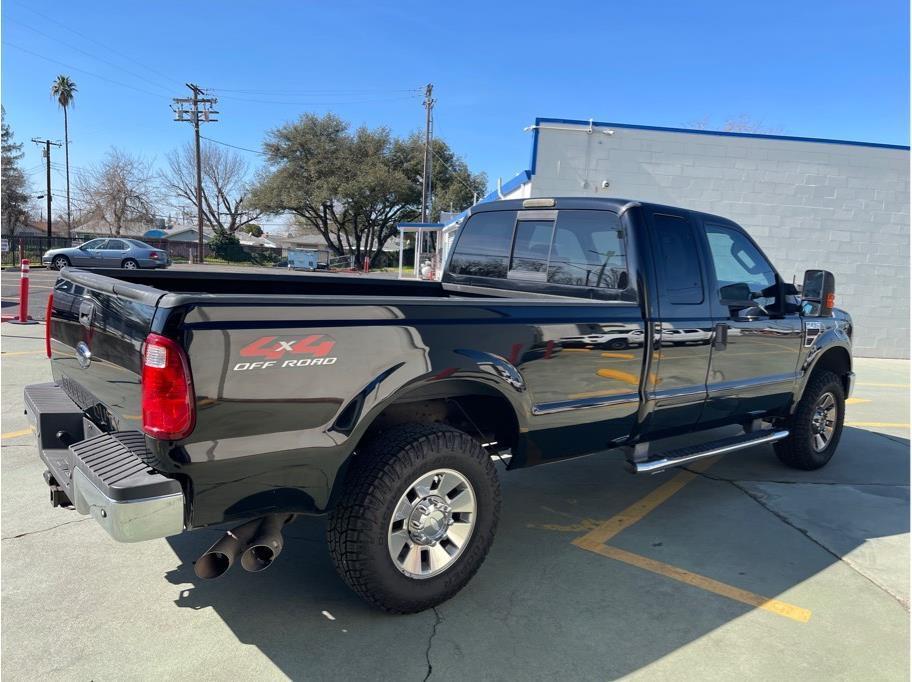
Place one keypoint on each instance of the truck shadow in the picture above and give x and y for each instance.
(541, 607)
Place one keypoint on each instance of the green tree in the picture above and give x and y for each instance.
(353, 187)
(64, 89)
(253, 229)
(14, 197)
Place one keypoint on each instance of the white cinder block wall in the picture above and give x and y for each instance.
(809, 204)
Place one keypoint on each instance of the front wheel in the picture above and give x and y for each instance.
(816, 425)
(417, 517)
(60, 262)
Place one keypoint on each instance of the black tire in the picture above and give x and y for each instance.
(798, 450)
(618, 344)
(60, 262)
(129, 264)
(383, 471)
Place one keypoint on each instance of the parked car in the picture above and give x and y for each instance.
(181, 400)
(119, 252)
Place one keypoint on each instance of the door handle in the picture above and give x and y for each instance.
(720, 338)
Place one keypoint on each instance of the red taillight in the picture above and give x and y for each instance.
(47, 324)
(168, 401)
(153, 255)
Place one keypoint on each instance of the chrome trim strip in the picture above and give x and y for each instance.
(725, 387)
(583, 403)
(659, 465)
(135, 521)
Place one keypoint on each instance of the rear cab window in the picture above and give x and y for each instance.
(574, 252)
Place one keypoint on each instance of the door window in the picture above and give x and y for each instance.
(483, 247)
(678, 262)
(531, 248)
(740, 267)
(95, 244)
(588, 251)
(116, 245)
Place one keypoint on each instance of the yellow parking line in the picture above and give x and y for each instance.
(23, 352)
(575, 350)
(622, 356)
(16, 434)
(856, 401)
(639, 509)
(780, 608)
(885, 425)
(595, 541)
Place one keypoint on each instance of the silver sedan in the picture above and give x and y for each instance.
(108, 253)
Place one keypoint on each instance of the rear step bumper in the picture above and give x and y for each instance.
(676, 458)
(104, 474)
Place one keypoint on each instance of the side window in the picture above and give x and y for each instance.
(531, 247)
(740, 267)
(677, 260)
(116, 245)
(95, 244)
(483, 246)
(588, 251)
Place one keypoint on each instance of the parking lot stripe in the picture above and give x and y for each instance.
(639, 509)
(780, 608)
(856, 401)
(24, 352)
(16, 434)
(864, 383)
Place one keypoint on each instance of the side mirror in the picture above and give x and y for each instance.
(819, 287)
(736, 295)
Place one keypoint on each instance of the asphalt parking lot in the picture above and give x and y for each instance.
(737, 568)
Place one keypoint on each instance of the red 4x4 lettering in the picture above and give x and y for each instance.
(273, 347)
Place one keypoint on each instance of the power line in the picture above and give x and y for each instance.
(316, 104)
(306, 93)
(7, 43)
(234, 146)
(167, 79)
(87, 53)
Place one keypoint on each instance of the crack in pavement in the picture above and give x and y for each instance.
(806, 533)
(438, 619)
(45, 530)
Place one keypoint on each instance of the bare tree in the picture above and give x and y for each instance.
(742, 123)
(118, 190)
(224, 195)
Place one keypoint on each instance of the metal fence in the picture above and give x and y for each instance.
(33, 247)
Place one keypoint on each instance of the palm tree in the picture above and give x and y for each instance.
(64, 89)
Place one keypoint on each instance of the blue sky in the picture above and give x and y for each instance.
(819, 69)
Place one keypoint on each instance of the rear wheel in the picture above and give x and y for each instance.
(60, 262)
(417, 517)
(816, 425)
(129, 264)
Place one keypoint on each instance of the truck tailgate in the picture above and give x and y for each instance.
(97, 326)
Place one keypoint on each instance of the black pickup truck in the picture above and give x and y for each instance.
(561, 327)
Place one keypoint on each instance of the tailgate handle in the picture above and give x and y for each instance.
(86, 313)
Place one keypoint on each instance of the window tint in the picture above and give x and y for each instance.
(737, 261)
(531, 247)
(677, 260)
(95, 244)
(116, 245)
(588, 250)
(141, 245)
(483, 246)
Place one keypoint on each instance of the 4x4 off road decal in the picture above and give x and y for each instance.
(288, 351)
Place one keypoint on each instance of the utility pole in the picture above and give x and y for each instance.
(201, 111)
(428, 161)
(47, 155)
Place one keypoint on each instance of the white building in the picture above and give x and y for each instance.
(809, 203)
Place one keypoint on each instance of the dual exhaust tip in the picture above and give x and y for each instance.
(257, 543)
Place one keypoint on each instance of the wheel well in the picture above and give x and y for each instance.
(835, 360)
(489, 418)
